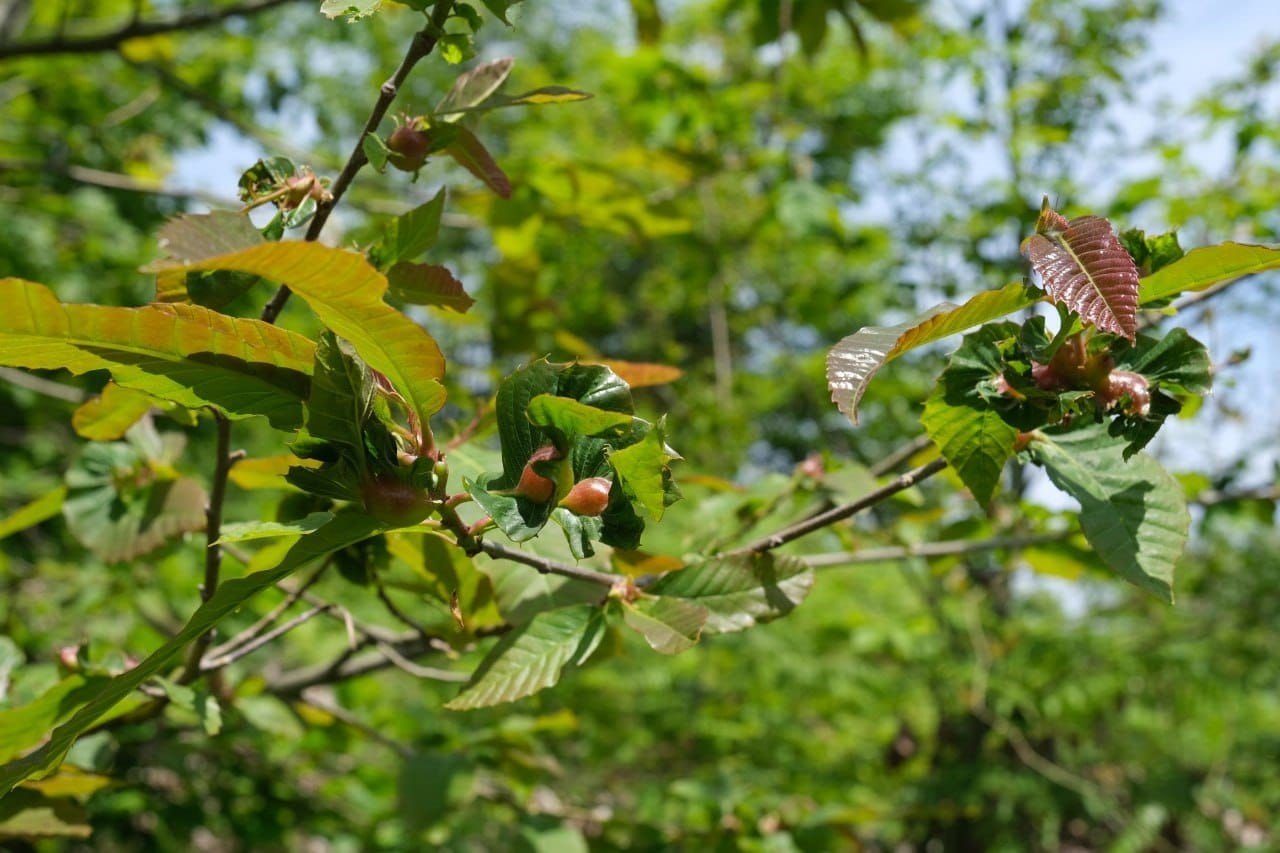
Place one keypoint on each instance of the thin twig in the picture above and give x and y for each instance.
(549, 567)
(899, 456)
(346, 666)
(424, 41)
(270, 618)
(396, 612)
(418, 671)
(929, 550)
(213, 662)
(196, 19)
(40, 385)
(213, 552)
(840, 513)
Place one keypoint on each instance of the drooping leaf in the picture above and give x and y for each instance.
(41, 509)
(668, 625)
(1084, 267)
(739, 592)
(344, 530)
(407, 236)
(471, 154)
(109, 415)
(346, 294)
(1203, 268)
(852, 362)
(428, 284)
(1132, 511)
(473, 87)
(531, 657)
(243, 531)
(181, 353)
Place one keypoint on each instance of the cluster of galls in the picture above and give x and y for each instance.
(1074, 368)
(587, 497)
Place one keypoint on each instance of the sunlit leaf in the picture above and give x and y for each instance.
(268, 472)
(571, 418)
(346, 294)
(182, 353)
(1203, 268)
(852, 362)
(531, 657)
(242, 531)
(1132, 511)
(109, 415)
(641, 374)
(410, 234)
(351, 10)
(31, 815)
(1084, 267)
(668, 625)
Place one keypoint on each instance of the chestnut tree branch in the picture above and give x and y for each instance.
(423, 42)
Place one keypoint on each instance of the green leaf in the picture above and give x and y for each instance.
(1151, 253)
(668, 625)
(474, 87)
(1176, 359)
(854, 361)
(198, 701)
(520, 438)
(23, 727)
(739, 592)
(471, 154)
(346, 294)
(410, 234)
(375, 151)
(1132, 512)
(531, 657)
(573, 418)
(344, 530)
(120, 505)
(542, 96)
(1202, 268)
(243, 531)
(28, 815)
(109, 415)
(182, 353)
(41, 509)
(644, 471)
(519, 518)
(352, 10)
(522, 592)
(428, 284)
(499, 8)
(971, 434)
(1084, 267)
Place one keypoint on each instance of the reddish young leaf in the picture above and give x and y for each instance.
(428, 284)
(1084, 267)
(476, 159)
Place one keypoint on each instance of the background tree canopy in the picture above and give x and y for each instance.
(752, 181)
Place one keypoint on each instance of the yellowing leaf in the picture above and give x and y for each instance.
(182, 353)
(109, 415)
(268, 472)
(346, 293)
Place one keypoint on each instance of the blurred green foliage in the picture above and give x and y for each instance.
(735, 198)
